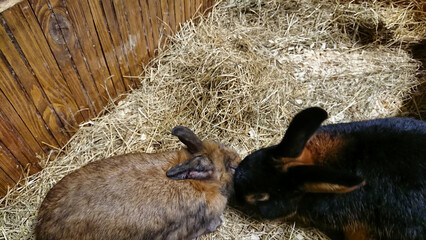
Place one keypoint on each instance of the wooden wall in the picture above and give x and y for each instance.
(61, 61)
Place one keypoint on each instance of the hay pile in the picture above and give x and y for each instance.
(237, 77)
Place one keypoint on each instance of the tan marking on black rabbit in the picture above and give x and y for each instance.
(366, 178)
(130, 196)
(329, 188)
(316, 152)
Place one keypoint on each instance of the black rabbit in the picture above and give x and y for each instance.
(364, 178)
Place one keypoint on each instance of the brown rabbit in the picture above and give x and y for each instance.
(137, 196)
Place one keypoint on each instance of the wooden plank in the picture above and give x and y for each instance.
(172, 18)
(206, 4)
(147, 26)
(178, 14)
(53, 67)
(57, 44)
(187, 10)
(66, 48)
(23, 105)
(10, 165)
(12, 116)
(197, 7)
(117, 23)
(139, 36)
(82, 20)
(124, 34)
(5, 181)
(114, 31)
(10, 86)
(193, 8)
(155, 15)
(107, 46)
(19, 152)
(33, 45)
(165, 16)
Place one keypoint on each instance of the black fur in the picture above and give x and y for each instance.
(388, 155)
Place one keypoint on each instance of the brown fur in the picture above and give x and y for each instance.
(130, 197)
(356, 233)
(318, 149)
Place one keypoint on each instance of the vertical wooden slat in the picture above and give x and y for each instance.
(112, 22)
(187, 10)
(13, 91)
(20, 154)
(5, 181)
(166, 16)
(172, 18)
(147, 26)
(117, 12)
(7, 110)
(24, 107)
(192, 3)
(197, 6)
(63, 39)
(57, 44)
(52, 64)
(154, 16)
(32, 43)
(138, 34)
(79, 14)
(10, 165)
(178, 13)
(107, 45)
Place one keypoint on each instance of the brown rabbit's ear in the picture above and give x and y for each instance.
(320, 179)
(199, 168)
(194, 144)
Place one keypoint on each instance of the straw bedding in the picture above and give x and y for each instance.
(238, 77)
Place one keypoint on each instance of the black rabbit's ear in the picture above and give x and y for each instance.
(199, 168)
(189, 138)
(300, 130)
(320, 179)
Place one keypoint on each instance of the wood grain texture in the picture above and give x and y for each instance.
(147, 27)
(155, 16)
(55, 32)
(5, 181)
(173, 23)
(82, 20)
(108, 49)
(187, 9)
(20, 154)
(165, 16)
(62, 61)
(64, 42)
(140, 36)
(37, 53)
(9, 114)
(26, 95)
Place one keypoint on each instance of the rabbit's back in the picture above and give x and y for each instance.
(390, 155)
(126, 197)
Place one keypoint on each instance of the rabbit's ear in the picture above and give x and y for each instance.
(320, 179)
(200, 168)
(189, 138)
(300, 130)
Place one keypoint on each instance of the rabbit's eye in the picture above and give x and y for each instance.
(257, 197)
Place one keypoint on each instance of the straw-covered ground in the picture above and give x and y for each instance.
(238, 77)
